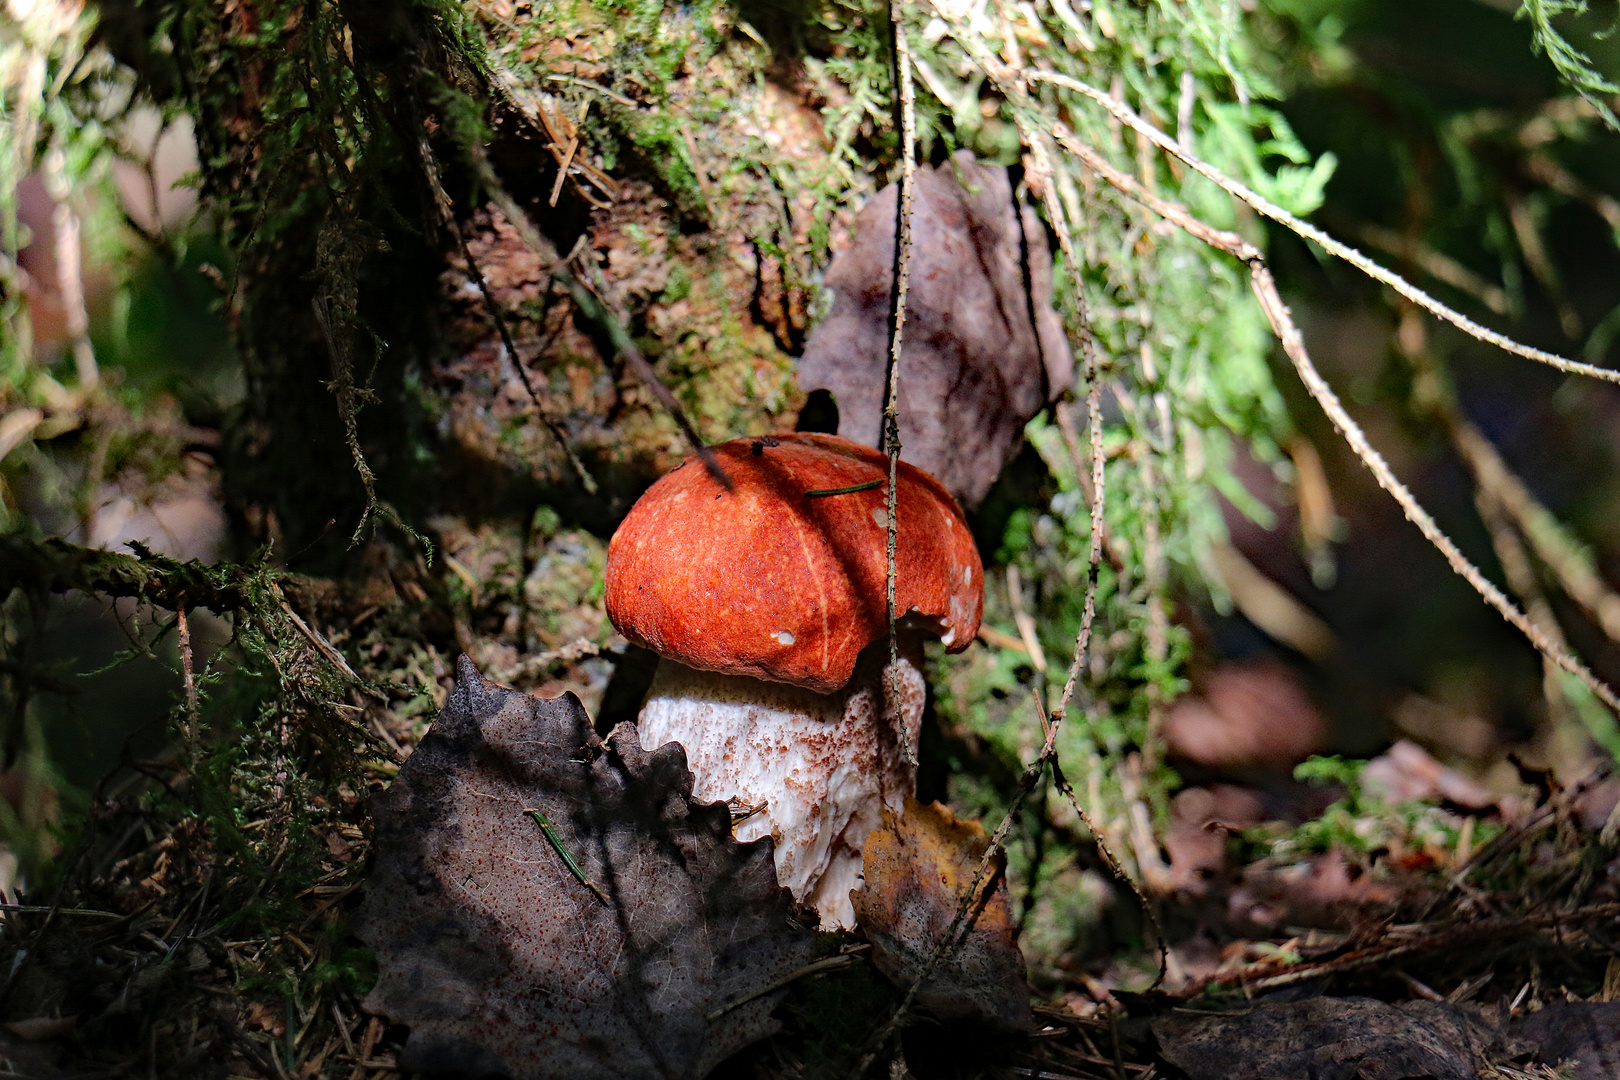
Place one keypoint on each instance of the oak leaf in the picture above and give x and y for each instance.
(502, 960)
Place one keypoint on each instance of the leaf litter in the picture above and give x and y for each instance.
(548, 902)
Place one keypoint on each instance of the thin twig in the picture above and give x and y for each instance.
(503, 86)
(1024, 620)
(905, 105)
(697, 169)
(1157, 634)
(188, 678)
(1520, 574)
(350, 397)
(597, 312)
(562, 169)
(1059, 215)
(552, 424)
(1350, 255)
(1534, 249)
(575, 650)
(1293, 342)
(69, 269)
(596, 87)
(817, 967)
(1558, 805)
(1092, 378)
(1116, 868)
(1427, 940)
(343, 1031)
(970, 901)
(1437, 264)
(447, 221)
(1569, 562)
(324, 647)
(1431, 392)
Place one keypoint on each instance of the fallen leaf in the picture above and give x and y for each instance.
(982, 354)
(501, 960)
(265, 1018)
(917, 869)
(36, 1028)
(1254, 714)
(1406, 772)
(1581, 1035)
(1329, 1039)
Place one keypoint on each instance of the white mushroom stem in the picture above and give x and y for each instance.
(821, 766)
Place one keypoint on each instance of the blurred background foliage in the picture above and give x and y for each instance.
(251, 254)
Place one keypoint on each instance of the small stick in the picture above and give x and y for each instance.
(343, 1030)
(447, 220)
(69, 271)
(829, 963)
(568, 859)
(905, 108)
(324, 647)
(1024, 621)
(188, 674)
(821, 493)
(597, 312)
(562, 170)
(1393, 946)
(697, 170)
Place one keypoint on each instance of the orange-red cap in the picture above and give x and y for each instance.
(768, 581)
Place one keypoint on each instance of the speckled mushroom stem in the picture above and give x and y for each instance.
(821, 767)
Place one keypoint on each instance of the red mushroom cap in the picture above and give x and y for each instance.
(768, 582)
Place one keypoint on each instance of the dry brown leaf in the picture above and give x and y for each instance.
(917, 868)
(1406, 773)
(501, 961)
(981, 356)
(1248, 714)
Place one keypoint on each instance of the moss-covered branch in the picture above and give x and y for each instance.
(53, 565)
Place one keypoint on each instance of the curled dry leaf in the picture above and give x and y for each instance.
(984, 351)
(1330, 1039)
(503, 961)
(917, 868)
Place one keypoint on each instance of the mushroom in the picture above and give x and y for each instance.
(767, 607)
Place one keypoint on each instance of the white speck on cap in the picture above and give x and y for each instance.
(783, 637)
(881, 516)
